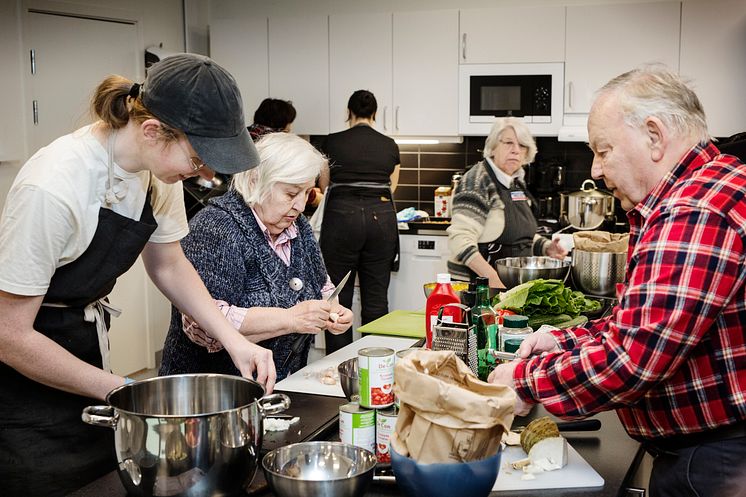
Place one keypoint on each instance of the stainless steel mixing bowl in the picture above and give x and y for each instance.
(516, 270)
(348, 378)
(329, 469)
(597, 273)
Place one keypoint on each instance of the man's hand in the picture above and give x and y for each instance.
(250, 357)
(503, 375)
(340, 320)
(537, 344)
(309, 316)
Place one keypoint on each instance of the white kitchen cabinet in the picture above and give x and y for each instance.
(356, 65)
(425, 73)
(409, 60)
(241, 47)
(713, 55)
(12, 139)
(512, 34)
(299, 69)
(603, 41)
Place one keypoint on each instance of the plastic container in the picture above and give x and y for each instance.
(442, 294)
(515, 329)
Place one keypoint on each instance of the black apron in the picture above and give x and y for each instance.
(45, 448)
(517, 239)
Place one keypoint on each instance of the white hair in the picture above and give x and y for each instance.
(283, 158)
(521, 132)
(656, 91)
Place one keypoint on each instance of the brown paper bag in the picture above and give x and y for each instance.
(600, 241)
(447, 414)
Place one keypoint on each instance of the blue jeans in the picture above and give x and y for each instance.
(359, 234)
(716, 469)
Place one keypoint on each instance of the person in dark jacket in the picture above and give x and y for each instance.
(258, 257)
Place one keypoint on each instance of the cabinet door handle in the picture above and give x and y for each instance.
(385, 128)
(32, 56)
(396, 118)
(35, 111)
(463, 46)
(569, 95)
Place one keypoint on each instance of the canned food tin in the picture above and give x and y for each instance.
(399, 356)
(357, 426)
(376, 376)
(385, 423)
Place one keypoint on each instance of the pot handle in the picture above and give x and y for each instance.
(586, 183)
(100, 416)
(273, 403)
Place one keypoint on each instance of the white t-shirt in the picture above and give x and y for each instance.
(51, 211)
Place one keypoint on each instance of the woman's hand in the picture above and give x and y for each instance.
(250, 357)
(340, 320)
(556, 251)
(309, 316)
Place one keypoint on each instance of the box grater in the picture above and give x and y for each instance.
(460, 337)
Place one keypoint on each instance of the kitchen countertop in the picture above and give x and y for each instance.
(610, 451)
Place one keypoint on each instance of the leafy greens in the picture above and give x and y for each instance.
(545, 297)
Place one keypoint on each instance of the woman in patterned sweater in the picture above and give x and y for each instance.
(259, 259)
(492, 213)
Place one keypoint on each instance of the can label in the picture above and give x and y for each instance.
(357, 426)
(385, 423)
(376, 376)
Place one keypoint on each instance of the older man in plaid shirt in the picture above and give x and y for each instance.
(671, 358)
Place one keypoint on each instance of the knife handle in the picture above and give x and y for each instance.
(296, 347)
(580, 425)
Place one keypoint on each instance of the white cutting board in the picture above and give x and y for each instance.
(578, 473)
(307, 380)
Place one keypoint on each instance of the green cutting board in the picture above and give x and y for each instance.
(399, 323)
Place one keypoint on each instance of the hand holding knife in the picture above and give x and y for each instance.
(300, 341)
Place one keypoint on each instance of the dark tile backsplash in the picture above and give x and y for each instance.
(426, 167)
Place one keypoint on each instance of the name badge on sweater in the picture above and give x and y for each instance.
(518, 195)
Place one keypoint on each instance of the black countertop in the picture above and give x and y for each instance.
(609, 451)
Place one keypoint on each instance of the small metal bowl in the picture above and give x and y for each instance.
(333, 469)
(516, 270)
(458, 287)
(348, 378)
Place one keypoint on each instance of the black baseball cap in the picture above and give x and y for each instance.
(193, 94)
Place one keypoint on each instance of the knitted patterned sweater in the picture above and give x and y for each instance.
(478, 216)
(229, 251)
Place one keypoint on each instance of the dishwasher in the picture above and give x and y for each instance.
(421, 258)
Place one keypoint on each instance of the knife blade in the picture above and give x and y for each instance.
(300, 341)
(578, 425)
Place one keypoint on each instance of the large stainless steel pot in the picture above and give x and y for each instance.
(588, 208)
(187, 435)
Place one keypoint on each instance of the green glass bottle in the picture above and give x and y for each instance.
(486, 327)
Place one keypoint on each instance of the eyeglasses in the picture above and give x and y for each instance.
(511, 144)
(195, 162)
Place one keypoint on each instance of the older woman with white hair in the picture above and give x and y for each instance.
(491, 215)
(261, 263)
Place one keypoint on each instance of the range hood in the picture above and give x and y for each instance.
(574, 128)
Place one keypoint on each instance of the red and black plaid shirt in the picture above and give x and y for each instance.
(671, 358)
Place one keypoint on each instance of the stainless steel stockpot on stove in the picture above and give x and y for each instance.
(588, 208)
(187, 435)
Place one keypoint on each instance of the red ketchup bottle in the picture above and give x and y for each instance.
(442, 294)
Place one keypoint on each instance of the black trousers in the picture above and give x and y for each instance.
(359, 234)
(715, 469)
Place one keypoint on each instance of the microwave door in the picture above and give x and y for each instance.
(496, 96)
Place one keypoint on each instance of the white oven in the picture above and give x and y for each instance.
(532, 92)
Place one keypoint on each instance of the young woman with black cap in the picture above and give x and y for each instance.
(78, 215)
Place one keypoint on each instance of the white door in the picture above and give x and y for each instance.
(426, 73)
(360, 59)
(70, 60)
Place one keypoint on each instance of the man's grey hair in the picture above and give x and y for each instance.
(656, 91)
(521, 132)
(283, 158)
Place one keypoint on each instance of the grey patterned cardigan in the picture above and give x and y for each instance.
(232, 256)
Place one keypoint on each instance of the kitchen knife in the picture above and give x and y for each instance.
(580, 425)
(300, 341)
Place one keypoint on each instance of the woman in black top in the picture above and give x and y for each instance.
(359, 231)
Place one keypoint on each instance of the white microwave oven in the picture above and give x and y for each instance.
(532, 92)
